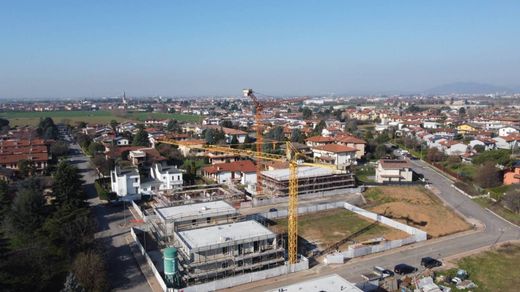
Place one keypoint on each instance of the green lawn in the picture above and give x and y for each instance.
(101, 117)
(493, 270)
(364, 172)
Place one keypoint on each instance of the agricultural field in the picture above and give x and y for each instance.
(495, 270)
(326, 228)
(90, 117)
(415, 206)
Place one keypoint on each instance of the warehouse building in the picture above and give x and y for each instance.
(310, 180)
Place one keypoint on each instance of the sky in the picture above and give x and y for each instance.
(99, 48)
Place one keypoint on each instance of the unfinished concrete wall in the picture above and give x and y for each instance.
(276, 200)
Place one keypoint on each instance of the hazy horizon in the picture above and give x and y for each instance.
(200, 48)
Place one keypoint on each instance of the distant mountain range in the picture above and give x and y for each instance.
(469, 88)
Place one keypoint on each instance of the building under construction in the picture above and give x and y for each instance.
(310, 180)
(221, 251)
(172, 219)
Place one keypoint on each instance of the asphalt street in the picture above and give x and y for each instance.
(495, 230)
(123, 271)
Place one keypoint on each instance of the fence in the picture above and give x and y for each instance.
(361, 250)
(149, 260)
(303, 264)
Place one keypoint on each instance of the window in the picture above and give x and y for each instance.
(193, 222)
(224, 250)
(208, 220)
(136, 179)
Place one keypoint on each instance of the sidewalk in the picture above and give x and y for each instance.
(143, 265)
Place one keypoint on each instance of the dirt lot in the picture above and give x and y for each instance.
(416, 207)
(325, 228)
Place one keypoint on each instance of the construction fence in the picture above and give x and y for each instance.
(353, 251)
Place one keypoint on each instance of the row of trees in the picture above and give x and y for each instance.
(47, 240)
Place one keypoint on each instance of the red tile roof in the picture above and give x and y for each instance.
(336, 148)
(351, 139)
(321, 139)
(236, 166)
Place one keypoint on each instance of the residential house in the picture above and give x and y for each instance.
(506, 131)
(487, 143)
(319, 141)
(170, 177)
(513, 176)
(389, 170)
(354, 142)
(337, 154)
(466, 128)
(125, 182)
(242, 170)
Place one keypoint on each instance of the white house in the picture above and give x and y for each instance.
(337, 154)
(170, 177)
(506, 131)
(125, 182)
(456, 149)
(393, 171)
(431, 125)
(488, 144)
(121, 141)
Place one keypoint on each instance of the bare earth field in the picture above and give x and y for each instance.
(415, 206)
(326, 228)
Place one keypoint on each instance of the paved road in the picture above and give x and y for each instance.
(124, 274)
(495, 230)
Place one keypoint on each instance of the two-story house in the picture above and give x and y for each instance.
(389, 170)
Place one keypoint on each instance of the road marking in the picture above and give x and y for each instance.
(504, 219)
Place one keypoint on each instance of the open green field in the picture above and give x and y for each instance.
(326, 228)
(90, 117)
(493, 270)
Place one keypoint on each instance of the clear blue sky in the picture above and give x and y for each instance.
(100, 47)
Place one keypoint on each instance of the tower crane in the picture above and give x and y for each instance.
(295, 159)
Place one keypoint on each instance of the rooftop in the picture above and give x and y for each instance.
(195, 210)
(227, 234)
(303, 172)
(335, 148)
(394, 164)
(328, 283)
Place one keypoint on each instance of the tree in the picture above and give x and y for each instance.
(380, 151)
(498, 156)
(95, 148)
(113, 125)
(413, 108)
(297, 136)
(90, 270)
(5, 200)
(307, 113)
(511, 199)
(26, 167)
(141, 138)
(488, 176)
(102, 164)
(59, 149)
(4, 123)
(434, 155)
(319, 127)
(462, 111)
(479, 148)
(173, 126)
(67, 186)
(26, 215)
(234, 140)
(226, 124)
(276, 134)
(47, 129)
(351, 126)
(83, 140)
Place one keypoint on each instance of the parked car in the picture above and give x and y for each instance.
(403, 269)
(273, 210)
(429, 262)
(384, 273)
